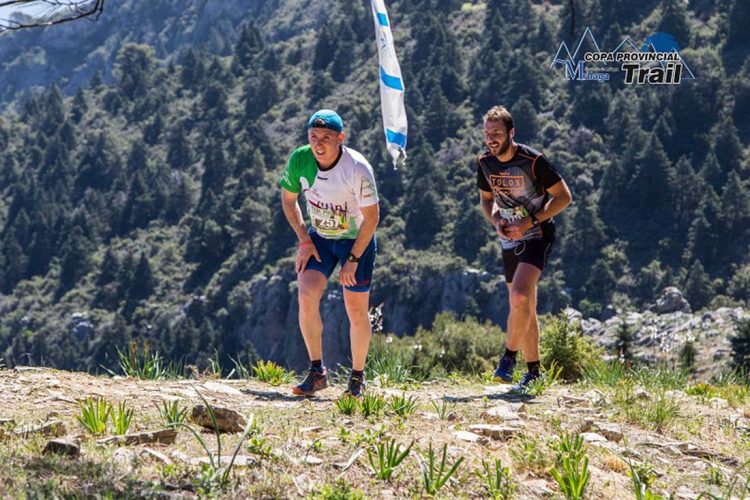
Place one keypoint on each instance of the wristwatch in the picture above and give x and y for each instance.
(534, 220)
(352, 258)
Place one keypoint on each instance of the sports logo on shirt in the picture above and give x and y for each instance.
(514, 185)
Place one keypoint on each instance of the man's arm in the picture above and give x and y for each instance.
(293, 215)
(487, 201)
(560, 198)
(371, 217)
(559, 201)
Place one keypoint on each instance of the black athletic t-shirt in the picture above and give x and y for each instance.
(519, 187)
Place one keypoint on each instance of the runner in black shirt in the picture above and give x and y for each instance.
(520, 192)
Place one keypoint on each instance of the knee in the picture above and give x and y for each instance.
(520, 299)
(358, 312)
(308, 297)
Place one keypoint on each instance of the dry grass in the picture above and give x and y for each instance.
(300, 444)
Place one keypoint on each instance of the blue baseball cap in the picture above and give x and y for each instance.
(326, 118)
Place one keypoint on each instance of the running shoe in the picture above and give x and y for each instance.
(356, 387)
(528, 377)
(504, 372)
(314, 382)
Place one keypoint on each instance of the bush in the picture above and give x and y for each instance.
(452, 345)
(564, 344)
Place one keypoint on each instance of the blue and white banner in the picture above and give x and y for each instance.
(391, 86)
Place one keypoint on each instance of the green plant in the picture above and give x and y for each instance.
(714, 476)
(662, 412)
(737, 487)
(337, 491)
(213, 475)
(143, 366)
(604, 373)
(658, 412)
(121, 418)
(387, 365)
(389, 456)
(643, 476)
(347, 404)
(369, 437)
(344, 434)
(527, 453)
(563, 343)
(241, 369)
(664, 378)
(435, 474)
(94, 415)
(402, 406)
(215, 365)
(702, 390)
(259, 445)
(442, 407)
(497, 480)
(574, 462)
(271, 373)
(371, 404)
(538, 386)
(171, 414)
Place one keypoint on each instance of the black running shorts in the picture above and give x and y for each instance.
(534, 252)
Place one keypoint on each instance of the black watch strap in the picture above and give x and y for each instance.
(534, 220)
(352, 258)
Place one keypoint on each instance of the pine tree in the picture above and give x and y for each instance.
(142, 285)
(674, 20)
(734, 220)
(249, 45)
(712, 171)
(100, 163)
(471, 229)
(698, 287)
(134, 68)
(179, 153)
(152, 131)
(76, 258)
(525, 121)
(215, 168)
(79, 107)
(325, 48)
(738, 17)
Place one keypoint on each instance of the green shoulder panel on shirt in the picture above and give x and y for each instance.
(301, 164)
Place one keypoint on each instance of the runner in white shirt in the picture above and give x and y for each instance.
(342, 205)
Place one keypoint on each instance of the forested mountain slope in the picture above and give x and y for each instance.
(138, 186)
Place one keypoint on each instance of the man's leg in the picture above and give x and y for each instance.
(311, 284)
(360, 329)
(523, 327)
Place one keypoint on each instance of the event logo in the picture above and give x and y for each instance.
(658, 61)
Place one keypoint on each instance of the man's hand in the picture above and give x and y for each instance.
(515, 229)
(501, 225)
(304, 252)
(346, 276)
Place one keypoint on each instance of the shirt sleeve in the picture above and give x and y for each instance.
(290, 178)
(545, 172)
(482, 183)
(365, 189)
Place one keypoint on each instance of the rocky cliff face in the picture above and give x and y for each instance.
(661, 333)
(270, 322)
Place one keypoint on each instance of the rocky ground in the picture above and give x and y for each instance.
(681, 444)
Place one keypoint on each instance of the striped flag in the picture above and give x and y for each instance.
(391, 86)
